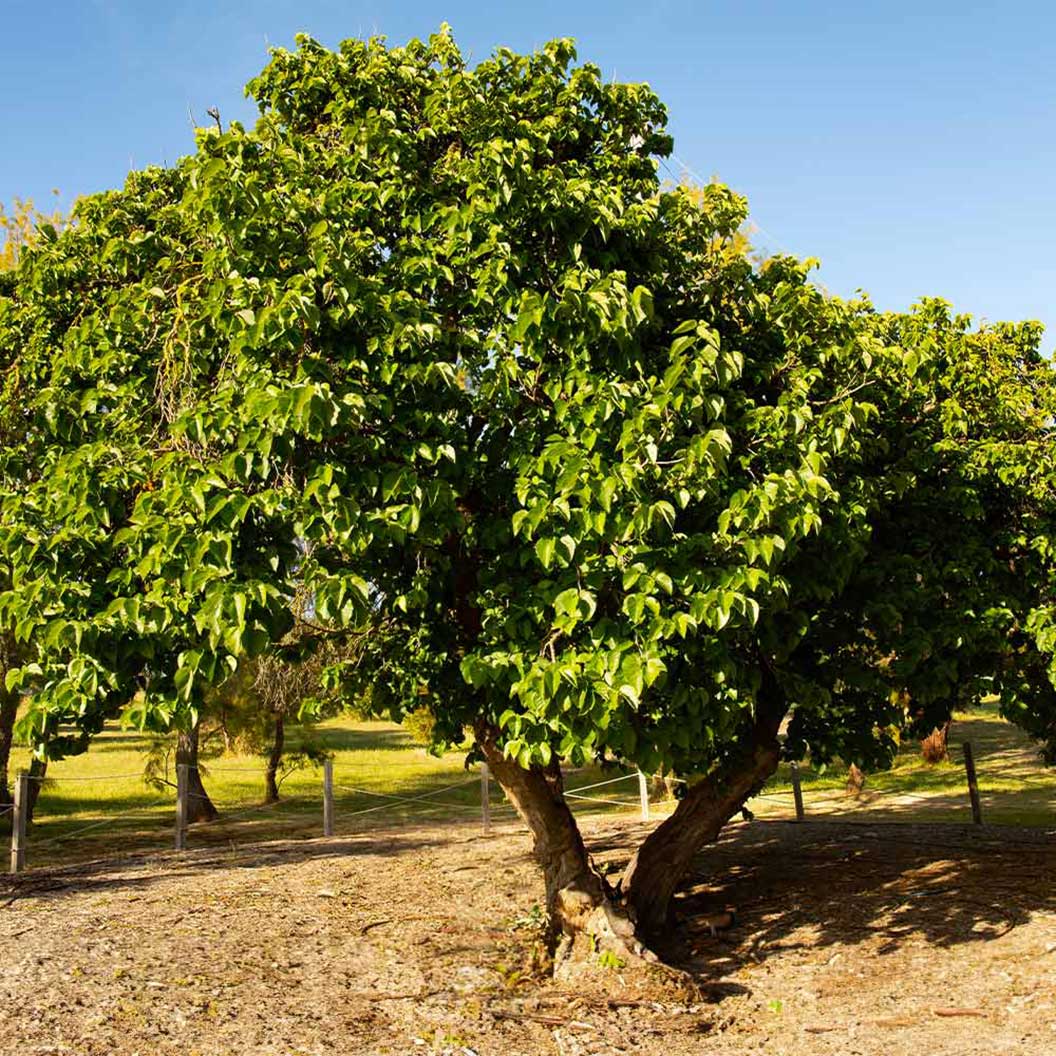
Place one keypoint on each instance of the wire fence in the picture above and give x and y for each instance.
(808, 796)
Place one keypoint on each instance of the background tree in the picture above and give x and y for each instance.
(432, 344)
(276, 693)
(18, 230)
(19, 227)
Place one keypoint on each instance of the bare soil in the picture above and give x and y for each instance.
(849, 939)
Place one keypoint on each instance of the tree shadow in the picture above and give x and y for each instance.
(142, 869)
(825, 884)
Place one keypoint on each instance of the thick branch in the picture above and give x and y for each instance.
(660, 863)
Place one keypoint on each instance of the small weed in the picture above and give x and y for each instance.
(533, 920)
(511, 977)
(777, 1006)
(608, 959)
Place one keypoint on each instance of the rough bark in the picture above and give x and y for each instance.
(199, 805)
(271, 780)
(935, 747)
(660, 863)
(578, 900)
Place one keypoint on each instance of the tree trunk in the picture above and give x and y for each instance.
(199, 805)
(658, 866)
(578, 900)
(38, 770)
(271, 794)
(8, 712)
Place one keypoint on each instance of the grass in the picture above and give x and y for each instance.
(97, 804)
(1015, 787)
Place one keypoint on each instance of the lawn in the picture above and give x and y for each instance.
(98, 805)
(1015, 786)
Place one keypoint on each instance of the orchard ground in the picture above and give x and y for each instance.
(892, 927)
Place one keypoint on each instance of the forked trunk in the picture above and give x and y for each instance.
(664, 857)
(199, 805)
(271, 778)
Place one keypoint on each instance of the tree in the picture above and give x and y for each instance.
(256, 707)
(432, 344)
(18, 230)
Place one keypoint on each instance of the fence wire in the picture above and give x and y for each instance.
(428, 803)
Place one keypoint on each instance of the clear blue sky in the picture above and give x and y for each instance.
(910, 146)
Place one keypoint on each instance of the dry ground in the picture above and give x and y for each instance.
(850, 939)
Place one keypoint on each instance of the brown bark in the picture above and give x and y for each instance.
(658, 866)
(935, 747)
(199, 805)
(271, 793)
(578, 900)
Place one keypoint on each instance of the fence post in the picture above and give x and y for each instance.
(643, 795)
(797, 791)
(328, 797)
(18, 822)
(182, 788)
(485, 798)
(973, 786)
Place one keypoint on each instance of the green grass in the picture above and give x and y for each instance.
(97, 804)
(1015, 787)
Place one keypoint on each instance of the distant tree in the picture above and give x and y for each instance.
(270, 694)
(20, 226)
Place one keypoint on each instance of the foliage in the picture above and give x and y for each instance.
(434, 346)
(21, 226)
(421, 725)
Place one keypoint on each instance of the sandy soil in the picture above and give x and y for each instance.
(849, 939)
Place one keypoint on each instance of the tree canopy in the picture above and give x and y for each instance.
(433, 346)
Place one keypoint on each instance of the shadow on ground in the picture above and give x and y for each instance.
(821, 884)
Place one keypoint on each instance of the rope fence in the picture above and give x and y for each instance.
(106, 777)
(430, 802)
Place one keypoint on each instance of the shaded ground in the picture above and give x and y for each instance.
(854, 939)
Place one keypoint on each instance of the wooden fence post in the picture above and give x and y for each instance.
(797, 792)
(20, 808)
(973, 786)
(182, 788)
(328, 797)
(643, 795)
(485, 798)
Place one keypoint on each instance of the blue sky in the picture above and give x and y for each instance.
(910, 146)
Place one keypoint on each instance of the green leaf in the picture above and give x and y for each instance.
(544, 550)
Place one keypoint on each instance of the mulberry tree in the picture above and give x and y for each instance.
(434, 345)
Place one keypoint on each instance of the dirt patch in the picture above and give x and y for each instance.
(849, 939)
